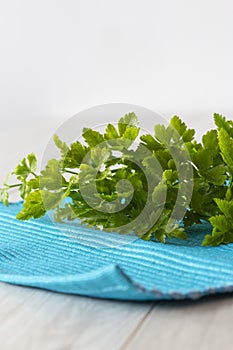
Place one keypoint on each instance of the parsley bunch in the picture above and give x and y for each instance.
(109, 183)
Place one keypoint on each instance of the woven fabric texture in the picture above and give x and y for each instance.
(38, 253)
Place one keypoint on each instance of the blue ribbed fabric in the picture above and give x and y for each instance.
(37, 253)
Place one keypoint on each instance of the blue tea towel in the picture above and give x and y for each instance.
(38, 253)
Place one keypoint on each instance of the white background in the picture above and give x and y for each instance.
(58, 57)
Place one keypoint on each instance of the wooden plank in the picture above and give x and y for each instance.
(190, 325)
(35, 319)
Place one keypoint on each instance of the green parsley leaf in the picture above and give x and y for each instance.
(109, 184)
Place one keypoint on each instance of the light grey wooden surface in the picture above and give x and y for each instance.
(33, 319)
(204, 324)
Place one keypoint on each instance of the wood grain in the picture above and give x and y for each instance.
(32, 319)
(190, 325)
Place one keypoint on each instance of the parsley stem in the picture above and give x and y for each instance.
(70, 172)
(16, 185)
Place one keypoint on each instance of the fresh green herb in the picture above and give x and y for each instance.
(108, 183)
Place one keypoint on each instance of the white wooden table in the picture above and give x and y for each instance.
(33, 319)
